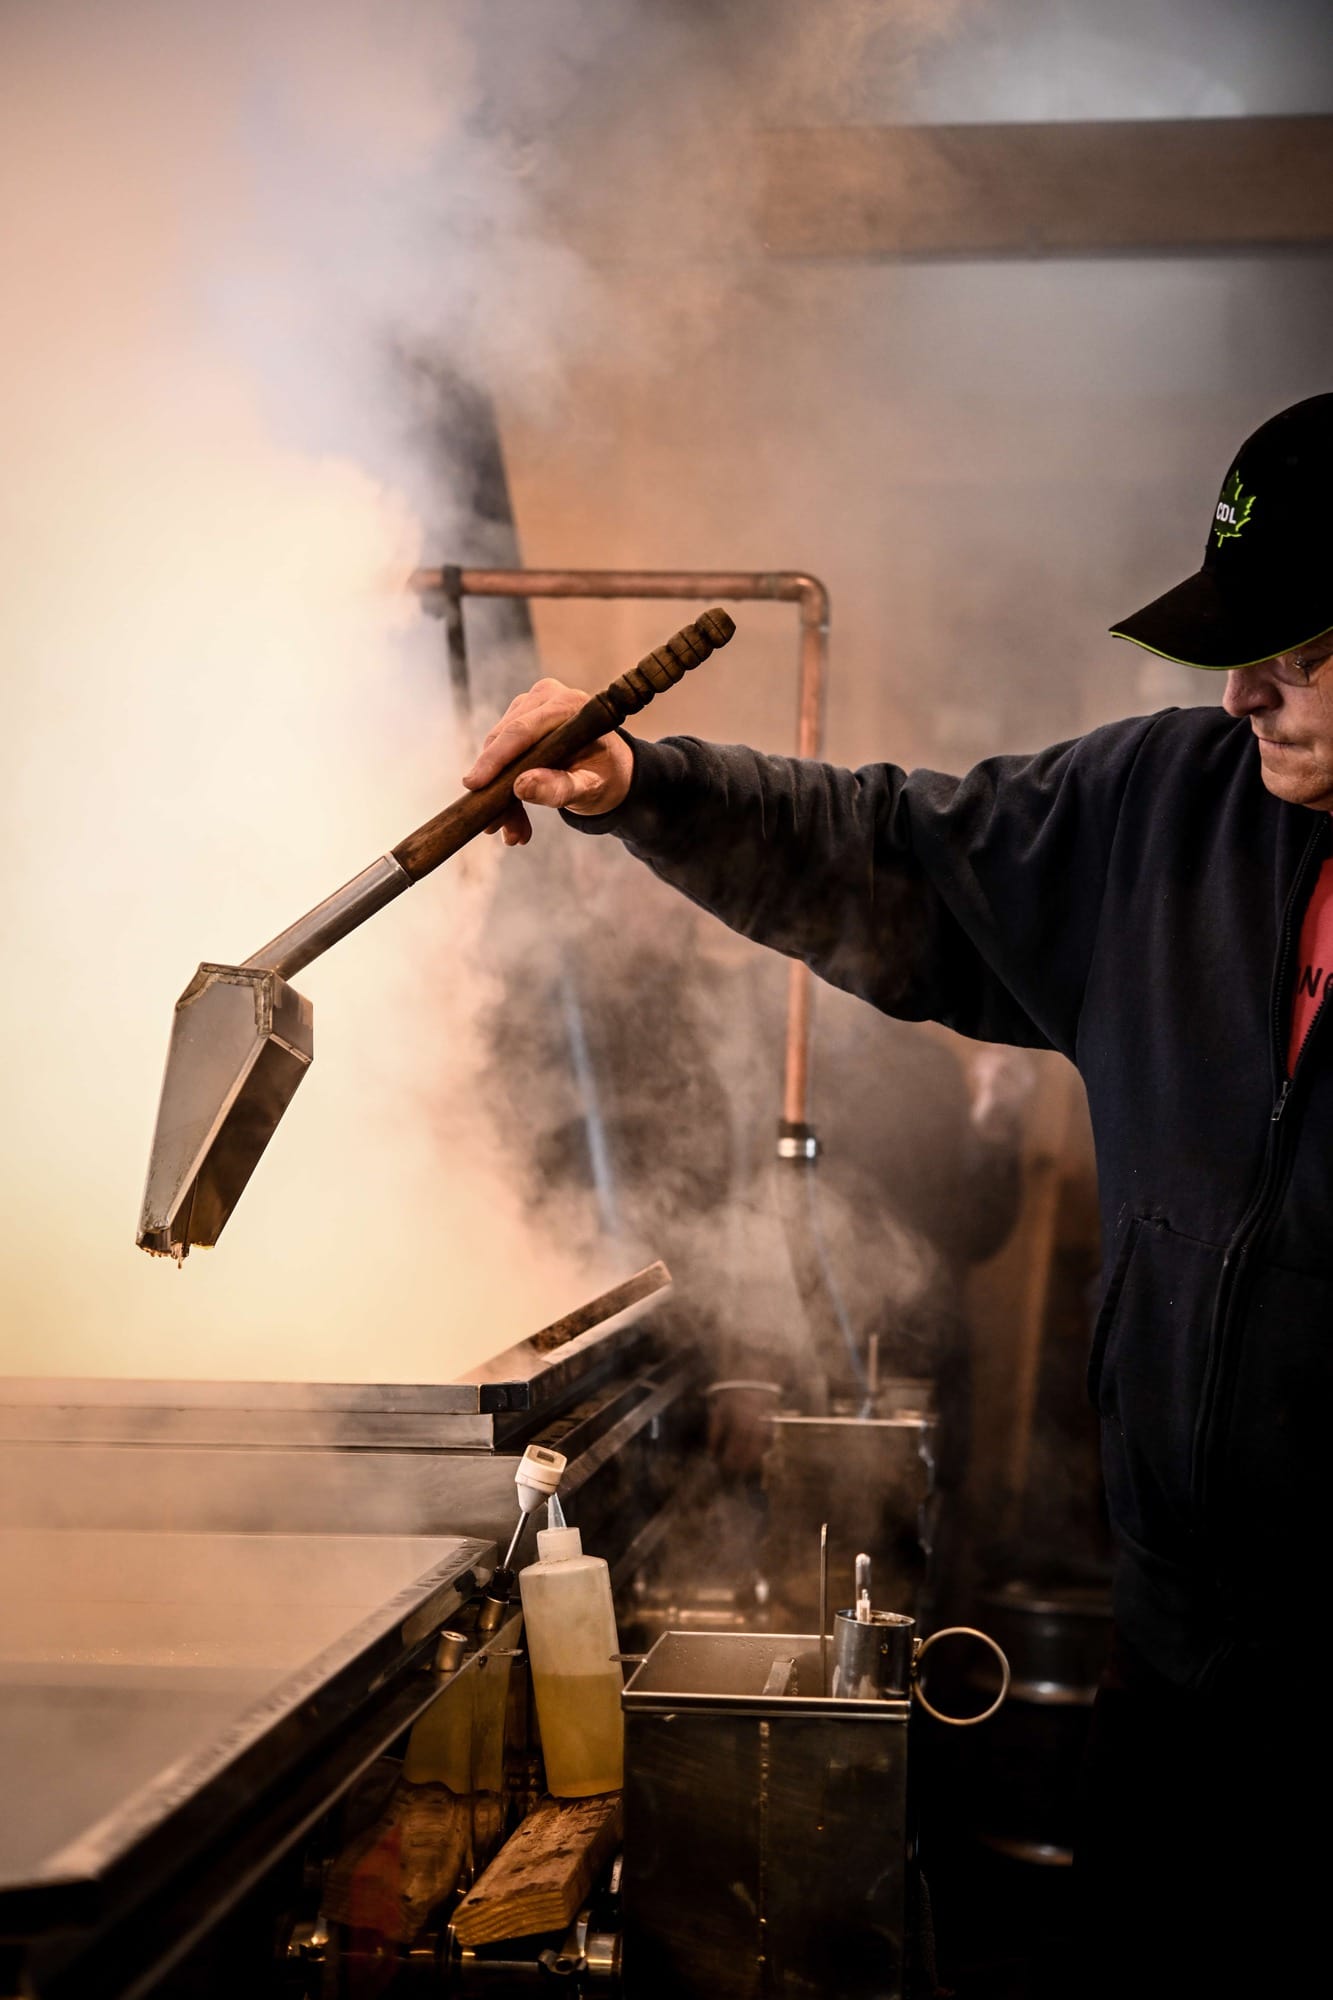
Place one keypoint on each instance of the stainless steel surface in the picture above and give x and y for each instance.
(242, 1489)
(481, 1410)
(602, 1958)
(246, 1458)
(241, 1041)
(689, 1670)
(183, 1621)
(450, 1649)
(798, 1145)
(873, 1478)
(293, 949)
(872, 1657)
(530, 1377)
(459, 1743)
(149, 1684)
(781, 1676)
(765, 1834)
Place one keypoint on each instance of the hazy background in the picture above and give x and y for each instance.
(234, 238)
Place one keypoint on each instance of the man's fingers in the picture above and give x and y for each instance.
(557, 788)
(508, 740)
(513, 818)
(516, 827)
(526, 720)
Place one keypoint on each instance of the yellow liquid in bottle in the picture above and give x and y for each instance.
(583, 1732)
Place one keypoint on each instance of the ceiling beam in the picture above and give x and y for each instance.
(1051, 190)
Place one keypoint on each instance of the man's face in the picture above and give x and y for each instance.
(1289, 701)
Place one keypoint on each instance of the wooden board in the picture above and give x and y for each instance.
(1064, 188)
(409, 1860)
(542, 1875)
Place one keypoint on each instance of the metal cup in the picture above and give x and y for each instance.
(872, 1657)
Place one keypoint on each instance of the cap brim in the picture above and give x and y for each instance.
(1195, 627)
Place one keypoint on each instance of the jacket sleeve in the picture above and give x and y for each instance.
(971, 901)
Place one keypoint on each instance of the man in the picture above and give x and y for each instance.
(1155, 900)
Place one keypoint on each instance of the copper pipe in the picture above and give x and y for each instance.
(783, 586)
(814, 605)
(745, 586)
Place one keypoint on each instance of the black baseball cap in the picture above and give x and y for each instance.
(1266, 585)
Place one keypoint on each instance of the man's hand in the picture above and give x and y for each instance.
(596, 781)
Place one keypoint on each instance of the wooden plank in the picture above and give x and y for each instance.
(409, 1860)
(541, 1876)
(1048, 190)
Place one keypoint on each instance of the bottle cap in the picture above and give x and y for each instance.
(556, 1545)
(537, 1475)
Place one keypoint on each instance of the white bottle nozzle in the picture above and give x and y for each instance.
(536, 1476)
(557, 1541)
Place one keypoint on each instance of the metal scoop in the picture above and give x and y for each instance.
(242, 1038)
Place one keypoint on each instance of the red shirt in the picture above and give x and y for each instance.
(1314, 965)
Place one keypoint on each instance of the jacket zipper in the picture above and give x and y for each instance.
(1271, 1183)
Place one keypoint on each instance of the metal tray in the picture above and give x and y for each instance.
(157, 1689)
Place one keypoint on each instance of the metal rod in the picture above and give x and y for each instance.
(514, 1541)
(823, 1609)
(745, 586)
(332, 919)
(455, 637)
(444, 600)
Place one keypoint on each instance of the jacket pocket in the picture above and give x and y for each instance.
(1149, 1358)
(1274, 1497)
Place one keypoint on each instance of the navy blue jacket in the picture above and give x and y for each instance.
(1133, 899)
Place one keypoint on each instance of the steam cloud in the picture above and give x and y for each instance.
(218, 703)
(226, 229)
(241, 242)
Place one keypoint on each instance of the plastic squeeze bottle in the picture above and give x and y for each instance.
(571, 1639)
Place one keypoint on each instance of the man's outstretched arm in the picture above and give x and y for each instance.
(792, 854)
(973, 901)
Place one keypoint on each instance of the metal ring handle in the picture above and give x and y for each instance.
(960, 1632)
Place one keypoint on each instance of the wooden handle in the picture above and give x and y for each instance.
(475, 811)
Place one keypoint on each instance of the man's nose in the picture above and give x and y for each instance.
(1249, 691)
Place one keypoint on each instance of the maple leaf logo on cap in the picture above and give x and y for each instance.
(1233, 510)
